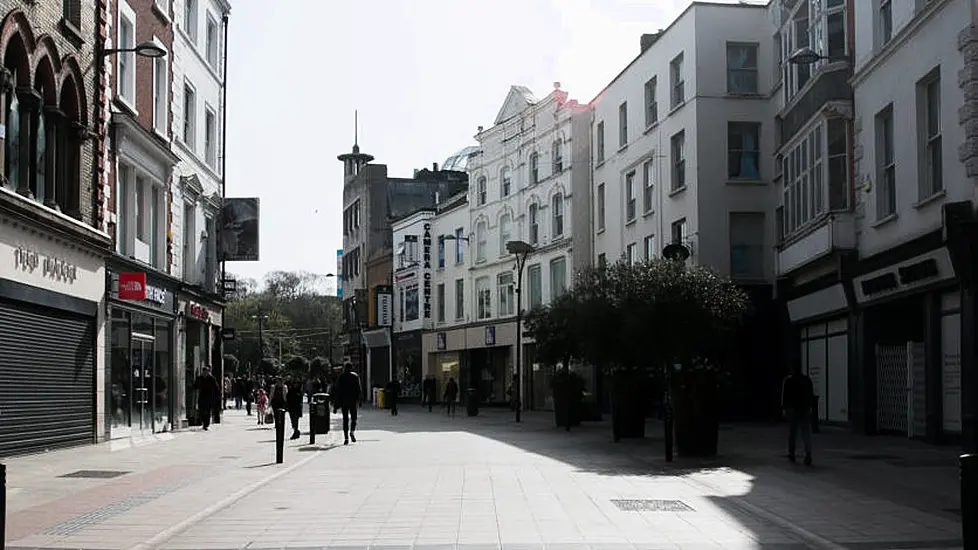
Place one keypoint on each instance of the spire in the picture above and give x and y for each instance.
(356, 131)
(355, 160)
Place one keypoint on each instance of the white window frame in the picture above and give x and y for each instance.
(126, 83)
(884, 21)
(483, 298)
(535, 295)
(631, 254)
(600, 205)
(557, 216)
(599, 142)
(482, 186)
(188, 135)
(212, 46)
(930, 140)
(191, 20)
(505, 233)
(622, 124)
(481, 241)
(651, 105)
(805, 177)
(161, 83)
(677, 151)
(211, 138)
(677, 82)
(649, 244)
(885, 164)
(754, 71)
(505, 182)
(648, 186)
(631, 202)
(506, 293)
(560, 261)
(534, 223)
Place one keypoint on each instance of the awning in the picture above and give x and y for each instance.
(380, 338)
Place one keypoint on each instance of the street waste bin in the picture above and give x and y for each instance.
(319, 414)
(472, 403)
(379, 399)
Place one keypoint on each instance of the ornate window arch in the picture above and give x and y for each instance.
(505, 181)
(534, 168)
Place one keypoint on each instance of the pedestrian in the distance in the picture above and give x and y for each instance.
(261, 401)
(451, 396)
(346, 392)
(294, 400)
(208, 395)
(797, 396)
(391, 394)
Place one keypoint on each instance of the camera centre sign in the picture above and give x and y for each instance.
(426, 264)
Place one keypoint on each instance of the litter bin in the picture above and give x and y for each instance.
(318, 416)
(381, 402)
(472, 403)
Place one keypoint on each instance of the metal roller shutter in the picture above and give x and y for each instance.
(47, 379)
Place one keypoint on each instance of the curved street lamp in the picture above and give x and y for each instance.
(808, 56)
(143, 49)
(521, 250)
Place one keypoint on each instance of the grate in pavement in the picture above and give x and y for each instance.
(638, 505)
(95, 474)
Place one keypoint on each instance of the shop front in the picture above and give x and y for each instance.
(199, 345)
(480, 357)
(142, 387)
(407, 361)
(50, 326)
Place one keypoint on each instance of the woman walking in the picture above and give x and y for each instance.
(261, 401)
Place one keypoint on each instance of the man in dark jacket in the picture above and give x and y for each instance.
(208, 393)
(391, 394)
(797, 396)
(346, 396)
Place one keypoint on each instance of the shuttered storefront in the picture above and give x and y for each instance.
(47, 378)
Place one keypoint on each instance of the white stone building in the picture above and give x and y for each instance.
(197, 186)
(414, 296)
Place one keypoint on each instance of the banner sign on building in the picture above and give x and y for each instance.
(339, 273)
(385, 306)
(239, 230)
(132, 286)
(426, 264)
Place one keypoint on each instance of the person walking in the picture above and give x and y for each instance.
(279, 402)
(208, 395)
(391, 394)
(261, 401)
(797, 396)
(451, 396)
(294, 400)
(346, 392)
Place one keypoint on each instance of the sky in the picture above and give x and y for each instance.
(423, 74)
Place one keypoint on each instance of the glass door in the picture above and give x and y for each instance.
(142, 381)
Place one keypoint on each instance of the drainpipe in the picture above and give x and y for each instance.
(224, 171)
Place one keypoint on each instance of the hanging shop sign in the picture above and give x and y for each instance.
(426, 259)
(56, 269)
(490, 336)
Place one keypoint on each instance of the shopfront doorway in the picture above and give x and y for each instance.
(140, 397)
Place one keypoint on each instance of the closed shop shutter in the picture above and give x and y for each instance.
(47, 379)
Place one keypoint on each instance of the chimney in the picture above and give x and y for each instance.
(434, 166)
(649, 39)
(415, 173)
(480, 129)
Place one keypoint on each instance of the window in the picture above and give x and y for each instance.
(459, 299)
(481, 191)
(557, 205)
(190, 19)
(623, 124)
(190, 246)
(803, 172)
(189, 116)
(161, 95)
(534, 169)
(558, 276)
(73, 13)
(742, 69)
(411, 312)
(648, 186)
(441, 251)
(599, 142)
(929, 115)
(678, 146)
(534, 286)
(141, 219)
(505, 236)
(743, 150)
(600, 207)
(885, 164)
(212, 42)
(157, 211)
(480, 242)
(459, 251)
(794, 36)
(534, 224)
(407, 251)
(885, 22)
(505, 182)
(630, 200)
(651, 106)
(507, 294)
(679, 231)
(440, 303)
(747, 244)
(631, 254)
(126, 61)
(649, 245)
(558, 157)
(123, 199)
(678, 84)
(483, 298)
(210, 137)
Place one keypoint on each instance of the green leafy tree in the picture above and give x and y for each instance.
(319, 367)
(231, 365)
(297, 366)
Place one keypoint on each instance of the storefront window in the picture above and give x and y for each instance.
(143, 365)
(448, 366)
(162, 399)
(119, 384)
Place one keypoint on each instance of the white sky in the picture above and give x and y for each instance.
(424, 74)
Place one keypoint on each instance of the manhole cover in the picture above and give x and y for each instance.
(871, 456)
(95, 474)
(630, 505)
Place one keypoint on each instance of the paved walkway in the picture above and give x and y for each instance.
(424, 481)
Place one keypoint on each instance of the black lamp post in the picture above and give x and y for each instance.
(808, 56)
(676, 252)
(261, 318)
(521, 250)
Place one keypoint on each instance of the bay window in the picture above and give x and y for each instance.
(819, 25)
(815, 174)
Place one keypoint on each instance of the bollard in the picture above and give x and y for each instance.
(969, 499)
(312, 425)
(3, 505)
(279, 436)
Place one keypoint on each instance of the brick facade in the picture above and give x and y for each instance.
(968, 80)
(35, 33)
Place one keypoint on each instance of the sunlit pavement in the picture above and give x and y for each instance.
(424, 481)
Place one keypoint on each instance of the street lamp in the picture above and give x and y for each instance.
(521, 250)
(808, 56)
(676, 252)
(261, 318)
(143, 49)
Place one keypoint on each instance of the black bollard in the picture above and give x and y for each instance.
(312, 425)
(279, 436)
(969, 500)
(3, 505)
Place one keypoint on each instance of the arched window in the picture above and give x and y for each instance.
(534, 169)
(534, 223)
(70, 134)
(480, 241)
(481, 191)
(558, 156)
(557, 213)
(505, 233)
(505, 182)
(12, 146)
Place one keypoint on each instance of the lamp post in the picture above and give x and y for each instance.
(261, 318)
(521, 250)
(676, 252)
(808, 56)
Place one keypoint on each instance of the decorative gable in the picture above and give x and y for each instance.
(517, 100)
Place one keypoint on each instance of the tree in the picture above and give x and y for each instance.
(231, 364)
(319, 367)
(297, 366)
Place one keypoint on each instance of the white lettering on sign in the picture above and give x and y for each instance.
(155, 295)
(56, 269)
(426, 263)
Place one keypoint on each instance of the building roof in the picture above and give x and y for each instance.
(459, 161)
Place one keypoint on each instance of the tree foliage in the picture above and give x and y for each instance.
(643, 315)
(298, 319)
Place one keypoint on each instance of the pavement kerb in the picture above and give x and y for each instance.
(164, 536)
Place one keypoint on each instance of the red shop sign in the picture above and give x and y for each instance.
(132, 286)
(198, 311)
